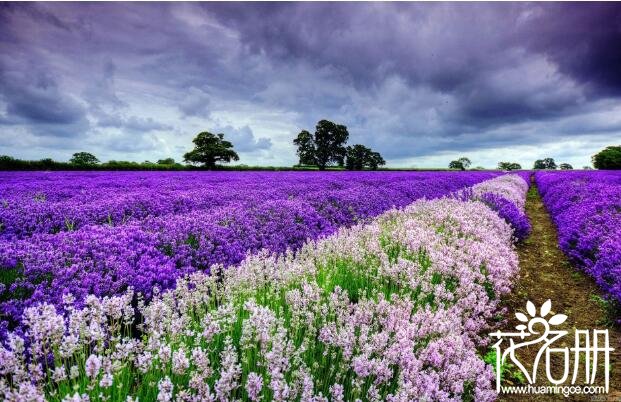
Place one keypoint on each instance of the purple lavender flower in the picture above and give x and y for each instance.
(508, 211)
(586, 208)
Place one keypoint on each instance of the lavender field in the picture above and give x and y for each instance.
(90, 233)
(310, 201)
(254, 286)
(586, 208)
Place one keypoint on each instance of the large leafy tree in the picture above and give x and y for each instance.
(462, 163)
(83, 159)
(306, 148)
(326, 147)
(509, 166)
(359, 157)
(329, 141)
(547, 163)
(609, 158)
(210, 148)
(565, 166)
(376, 160)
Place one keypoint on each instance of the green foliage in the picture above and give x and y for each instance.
(210, 148)
(509, 166)
(128, 165)
(6, 159)
(507, 370)
(547, 163)
(167, 161)
(10, 163)
(359, 157)
(306, 148)
(565, 166)
(611, 309)
(462, 163)
(609, 158)
(325, 148)
(455, 165)
(83, 159)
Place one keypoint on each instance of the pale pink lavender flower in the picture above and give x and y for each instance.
(106, 380)
(336, 391)
(165, 389)
(77, 397)
(230, 372)
(254, 385)
(92, 366)
(180, 362)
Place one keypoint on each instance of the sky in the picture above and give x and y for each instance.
(422, 83)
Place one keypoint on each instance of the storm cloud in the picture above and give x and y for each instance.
(420, 82)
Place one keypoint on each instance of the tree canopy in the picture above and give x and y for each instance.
(509, 166)
(608, 158)
(83, 159)
(565, 166)
(359, 157)
(166, 161)
(306, 148)
(210, 148)
(330, 139)
(326, 147)
(462, 163)
(547, 163)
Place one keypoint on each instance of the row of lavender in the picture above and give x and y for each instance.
(225, 217)
(391, 310)
(33, 203)
(586, 208)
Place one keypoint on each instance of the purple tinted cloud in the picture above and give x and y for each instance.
(410, 79)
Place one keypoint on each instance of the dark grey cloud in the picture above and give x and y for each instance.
(452, 48)
(32, 94)
(583, 39)
(408, 79)
(33, 97)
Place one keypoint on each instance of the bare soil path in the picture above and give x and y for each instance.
(545, 273)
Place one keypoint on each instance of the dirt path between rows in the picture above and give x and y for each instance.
(545, 273)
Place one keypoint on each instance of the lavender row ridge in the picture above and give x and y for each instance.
(35, 203)
(586, 208)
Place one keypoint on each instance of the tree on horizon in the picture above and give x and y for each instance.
(462, 163)
(608, 158)
(209, 149)
(83, 159)
(359, 157)
(326, 147)
(547, 163)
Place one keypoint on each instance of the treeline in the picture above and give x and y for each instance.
(327, 147)
(10, 163)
